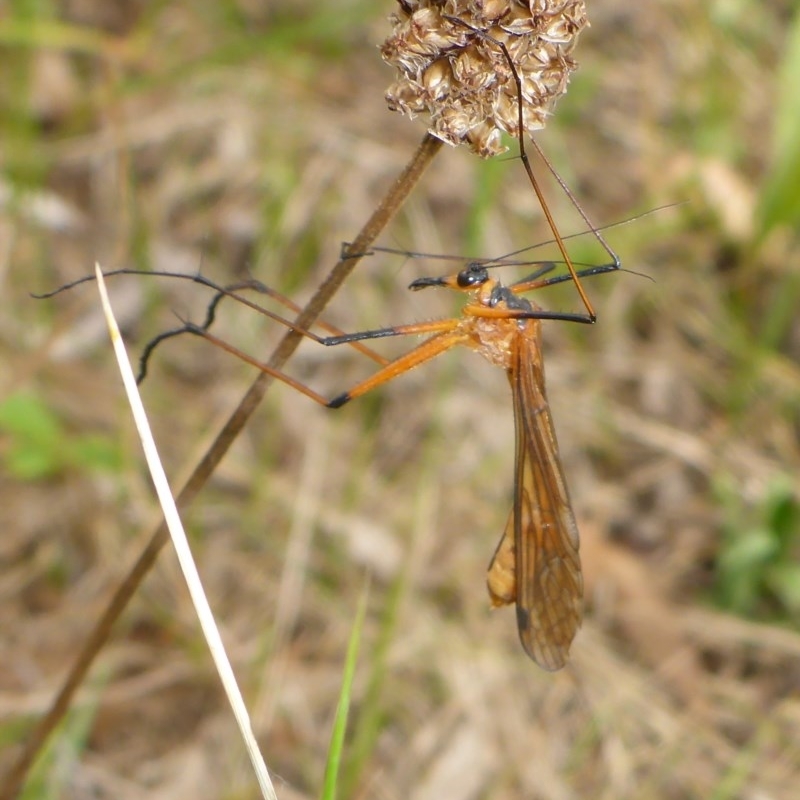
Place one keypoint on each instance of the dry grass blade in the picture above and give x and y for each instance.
(183, 550)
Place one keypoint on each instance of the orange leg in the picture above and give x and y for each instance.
(261, 288)
(445, 336)
(427, 350)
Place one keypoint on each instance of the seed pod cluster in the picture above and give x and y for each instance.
(451, 67)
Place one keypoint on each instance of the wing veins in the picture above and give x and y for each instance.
(549, 583)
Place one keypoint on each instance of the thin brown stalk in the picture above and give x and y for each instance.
(98, 636)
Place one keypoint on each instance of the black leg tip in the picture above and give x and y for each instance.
(339, 401)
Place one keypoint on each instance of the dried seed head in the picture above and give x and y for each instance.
(462, 78)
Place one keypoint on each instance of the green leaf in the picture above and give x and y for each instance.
(741, 569)
(37, 446)
(784, 580)
(783, 516)
(749, 551)
(27, 464)
(35, 436)
(97, 453)
(26, 416)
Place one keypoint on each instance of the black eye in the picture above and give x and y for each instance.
(473, 275)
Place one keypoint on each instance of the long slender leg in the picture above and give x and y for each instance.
(423, 352)
(535, 281)
(412, 329)
(511, 260)
(233, 291)
(486, 312)
(262, 288)
(523, 155)
(446, 335)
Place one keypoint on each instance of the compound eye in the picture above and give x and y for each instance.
(473, 275)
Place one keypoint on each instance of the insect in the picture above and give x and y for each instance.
(536, 564)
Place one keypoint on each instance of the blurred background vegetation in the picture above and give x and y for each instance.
(239, 136)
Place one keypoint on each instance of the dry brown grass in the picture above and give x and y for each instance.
(262, 151)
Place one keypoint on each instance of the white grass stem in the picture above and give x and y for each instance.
(181, 543)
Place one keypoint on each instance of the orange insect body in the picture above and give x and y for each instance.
(536, 563)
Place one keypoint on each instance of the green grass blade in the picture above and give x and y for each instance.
(780, 199)
(371, 711)
(343, 706)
